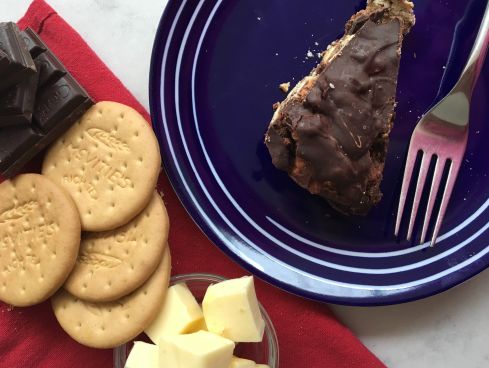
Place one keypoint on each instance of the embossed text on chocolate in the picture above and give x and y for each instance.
(60, 93)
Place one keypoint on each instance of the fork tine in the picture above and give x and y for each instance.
(408, 172)
(435, 185)
(452, 177)
(423, 171)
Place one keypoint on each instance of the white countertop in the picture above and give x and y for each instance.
(445, 331)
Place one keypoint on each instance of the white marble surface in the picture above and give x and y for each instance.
(450, 330)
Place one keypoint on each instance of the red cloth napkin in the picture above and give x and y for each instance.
(309, 335)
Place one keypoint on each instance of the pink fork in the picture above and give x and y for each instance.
(442, 133)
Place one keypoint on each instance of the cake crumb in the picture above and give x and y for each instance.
(310, 54)
(284, 87)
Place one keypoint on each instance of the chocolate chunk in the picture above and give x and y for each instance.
(57, 100)
(33, 42)
(50, 68)
(331, 133)
(17, 104)
(4, 60)
(17, 148)
(60, 102)
(16, 63)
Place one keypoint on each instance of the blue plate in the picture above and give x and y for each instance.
(215, 71)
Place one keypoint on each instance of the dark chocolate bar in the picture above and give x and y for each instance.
(16, 62)
(60, 102)
(17, 104)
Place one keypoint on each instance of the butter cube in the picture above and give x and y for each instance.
(180, 314)
(241, 363)
(231, 310)
(201, 349)
(143, 355)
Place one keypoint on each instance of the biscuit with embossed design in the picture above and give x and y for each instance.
(39, 239)
(109, 162)
(114, 263)
(106, 325)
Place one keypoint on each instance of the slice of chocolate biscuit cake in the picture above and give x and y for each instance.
(331, 132)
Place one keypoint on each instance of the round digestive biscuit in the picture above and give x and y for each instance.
(39, 239)
(114, 263)
(109, 162)
(106, 325)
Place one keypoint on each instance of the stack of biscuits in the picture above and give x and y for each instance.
(90, 232)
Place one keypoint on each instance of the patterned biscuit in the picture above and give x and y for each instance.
(106, 325)
(39, 239)
(114, 263)
(109, 162)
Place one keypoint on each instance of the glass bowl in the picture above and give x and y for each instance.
(265, 352)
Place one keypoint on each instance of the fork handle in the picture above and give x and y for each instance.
(478, 54)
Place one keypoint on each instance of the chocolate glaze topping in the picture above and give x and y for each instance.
(333, 141)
